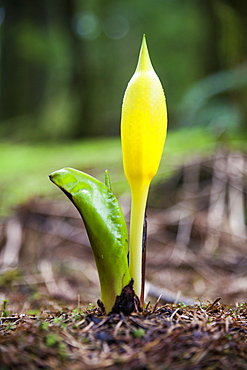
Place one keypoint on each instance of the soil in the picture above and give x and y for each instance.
(171, 336)
(196, 313)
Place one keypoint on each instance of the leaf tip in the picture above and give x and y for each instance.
(107, 180)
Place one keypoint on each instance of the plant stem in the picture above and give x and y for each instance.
(144, 242)
(138, 206)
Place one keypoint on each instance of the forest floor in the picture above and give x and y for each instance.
(172, 336)
(196, 280)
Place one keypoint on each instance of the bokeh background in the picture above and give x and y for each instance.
(64, 66)
(65, 63)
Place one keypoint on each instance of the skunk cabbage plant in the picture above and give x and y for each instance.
(143, 133)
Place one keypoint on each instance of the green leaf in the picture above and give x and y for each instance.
(105, 225)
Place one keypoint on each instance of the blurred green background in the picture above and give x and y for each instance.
(65, 64)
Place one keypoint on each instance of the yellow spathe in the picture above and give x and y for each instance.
(144, 122)
(143, 133)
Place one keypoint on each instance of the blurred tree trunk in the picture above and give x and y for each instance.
(87, 77)
(80, 86)
(240, 8)
(22, 78)
(240, 56)
(225, 41)
(210, 52)
(26, 59)
(225, 33)
(233, 21)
